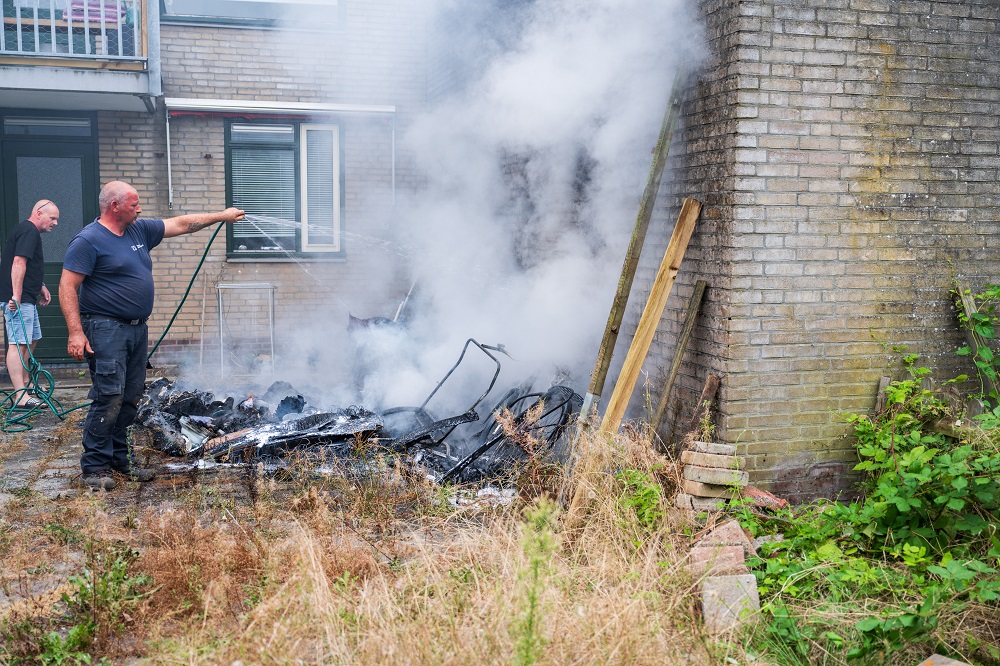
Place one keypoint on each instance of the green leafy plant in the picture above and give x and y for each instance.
(920, 544)
(642, 497)
(71, 649)
(982, 326)
(105, 592)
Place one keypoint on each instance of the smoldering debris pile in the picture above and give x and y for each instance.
(279, 428)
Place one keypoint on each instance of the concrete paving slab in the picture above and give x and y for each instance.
(729, 533)
(710, 460)
(938, 660)
(715, 476)
(728, 601)
(692, 503)
(716, 561)
(713, 448)
(707, 489)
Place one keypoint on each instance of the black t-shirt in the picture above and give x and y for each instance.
(24, 241)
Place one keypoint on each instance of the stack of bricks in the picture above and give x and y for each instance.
(729, 594)
(711, 475)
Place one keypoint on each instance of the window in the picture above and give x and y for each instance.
(258, 13)
(42, 126)
(286, 176)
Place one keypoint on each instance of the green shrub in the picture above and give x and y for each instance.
(919, 547)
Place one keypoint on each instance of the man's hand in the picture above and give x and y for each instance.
(78, 345)
(232, 215)
(13, 305)
(45, 297)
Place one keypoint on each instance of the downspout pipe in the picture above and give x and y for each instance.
(170, 174)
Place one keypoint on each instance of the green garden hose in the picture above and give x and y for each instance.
(186, 291)
(15, 418)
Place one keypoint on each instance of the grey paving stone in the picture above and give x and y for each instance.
(728, 601)
(716, 476)
(713, 448)
(938, 660)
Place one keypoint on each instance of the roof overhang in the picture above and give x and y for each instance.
(62, 88)
(180, 105)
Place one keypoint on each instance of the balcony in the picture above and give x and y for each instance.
(79, 54)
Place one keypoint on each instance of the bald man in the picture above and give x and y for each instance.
(106, 295)
(22, 268)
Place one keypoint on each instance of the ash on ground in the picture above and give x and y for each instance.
(280, 428)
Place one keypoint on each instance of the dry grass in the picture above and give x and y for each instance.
(323, 583)
(385, 569)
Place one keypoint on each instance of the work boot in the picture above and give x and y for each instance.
(140, 474)
(99, 480)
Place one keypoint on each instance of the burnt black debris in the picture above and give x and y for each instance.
(280, 426)
(333, 430)
(180, 421)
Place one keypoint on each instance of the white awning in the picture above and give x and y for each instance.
(253, 106)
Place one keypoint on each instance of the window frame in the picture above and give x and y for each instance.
(299, 188)
(270, 15)
(303, 246)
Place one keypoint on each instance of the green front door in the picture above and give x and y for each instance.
(66, 173)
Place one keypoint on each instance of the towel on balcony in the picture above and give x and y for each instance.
(92, 10)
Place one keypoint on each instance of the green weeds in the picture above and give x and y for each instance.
(641, 497)
(909, 562)
(539, 544)
(94, 614)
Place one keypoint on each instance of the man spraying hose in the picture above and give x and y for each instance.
(21, 273)
(106, 295)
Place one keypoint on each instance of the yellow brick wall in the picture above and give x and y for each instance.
(847, 154)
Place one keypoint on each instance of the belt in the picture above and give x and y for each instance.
(130, 322)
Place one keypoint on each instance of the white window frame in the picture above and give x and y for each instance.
(334, 130)
(302, 249)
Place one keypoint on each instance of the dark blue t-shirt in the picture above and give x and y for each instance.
(119, 270)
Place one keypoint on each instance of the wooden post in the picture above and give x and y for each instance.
(651, 315)
(675, 363)
(600, 373)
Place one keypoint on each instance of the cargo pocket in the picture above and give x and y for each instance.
(107, 379)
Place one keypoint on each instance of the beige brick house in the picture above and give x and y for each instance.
(846, 152)
(287, 109)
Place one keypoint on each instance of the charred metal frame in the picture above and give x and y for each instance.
(493, 441)
(262, 286)
(453, 422)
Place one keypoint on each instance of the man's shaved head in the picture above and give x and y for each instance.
(44, 215)
(115, 191)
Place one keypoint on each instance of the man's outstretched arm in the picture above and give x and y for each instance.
(188, 224)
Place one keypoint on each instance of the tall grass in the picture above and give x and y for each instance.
(318, 582)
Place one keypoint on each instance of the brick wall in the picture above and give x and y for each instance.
(860, 173)
(376, 58)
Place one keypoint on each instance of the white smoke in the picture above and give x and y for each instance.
(534, 169)
(533, 156)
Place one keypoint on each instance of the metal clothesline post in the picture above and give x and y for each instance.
(221, 288)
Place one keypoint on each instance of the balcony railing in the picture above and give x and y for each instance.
(74, 29)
